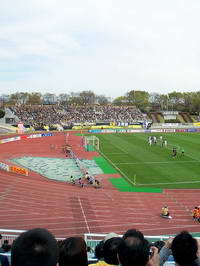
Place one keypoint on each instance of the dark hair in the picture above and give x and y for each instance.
(35, 247)
(184, 248)
(99, 250)
(73, 252)
(134, 251)
(6, 247)
(110, 250)
(133, 233)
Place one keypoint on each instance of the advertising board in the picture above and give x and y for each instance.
(18, 170)
(33, 136)
(10, 139)
(46, 135)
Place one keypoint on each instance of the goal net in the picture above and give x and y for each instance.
(91, 141)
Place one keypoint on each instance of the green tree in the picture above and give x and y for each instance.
(138, 98)
(35, 98)
(19, 98)
(2, 113)
(121, 100)
(101, 99)
(87, 97)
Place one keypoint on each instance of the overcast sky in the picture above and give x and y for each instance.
(107, 46)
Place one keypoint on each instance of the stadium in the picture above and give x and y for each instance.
(137, 179)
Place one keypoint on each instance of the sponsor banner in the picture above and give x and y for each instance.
(46, 135)
(169, 130)
(192, 130)
(198, 129)
(108, 131)
(155, 130)
(181, 130)
(18, 170)
(121, 130)
(196, 124)
(169, 124)
(135, 131)
(4, 166)
(10, 139)
(95, 131)
(33, 136)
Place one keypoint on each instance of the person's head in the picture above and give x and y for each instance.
(184, 248)
(133, 233)
(35, 247)
(134, 251)
(73, 252)
(110, 250)
(99, 250)
(6, 247)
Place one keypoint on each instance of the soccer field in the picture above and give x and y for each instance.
(154, 166)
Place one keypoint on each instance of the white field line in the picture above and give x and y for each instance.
(85, 219)
(160, 162)
(123, 174)
(119, 153)
(183, 182)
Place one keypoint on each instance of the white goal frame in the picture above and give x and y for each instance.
(93, 141)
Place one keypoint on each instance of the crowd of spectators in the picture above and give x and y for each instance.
(37, 115)
(38, 247)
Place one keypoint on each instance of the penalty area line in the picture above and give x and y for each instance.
(172, 183)
(160, 162)
(123, 174)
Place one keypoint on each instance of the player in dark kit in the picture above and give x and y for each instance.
(174, 152)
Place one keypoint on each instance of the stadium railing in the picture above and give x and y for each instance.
(93, 239)
(11, 235)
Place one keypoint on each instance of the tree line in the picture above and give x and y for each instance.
(145, 101)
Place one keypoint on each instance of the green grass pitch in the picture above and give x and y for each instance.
(154, 165)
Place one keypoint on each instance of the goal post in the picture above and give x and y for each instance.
(91, 141)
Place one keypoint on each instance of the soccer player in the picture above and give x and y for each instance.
(174, 152)
(72, 180)
(165, 212)
(165, 143)
(195, 213)
(80, 182)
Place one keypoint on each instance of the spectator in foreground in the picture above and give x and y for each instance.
(133, 233)
(73, 252)
(135, 251)
(184, 248)
(110, 250)
(4, 261)
(98, 252)
(35, 247)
